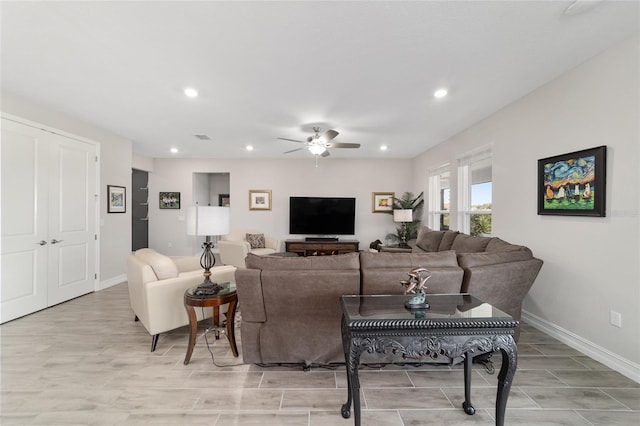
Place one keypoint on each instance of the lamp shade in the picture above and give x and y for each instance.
(208, 220)
(403, 215)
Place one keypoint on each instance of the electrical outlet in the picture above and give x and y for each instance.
(615, 318)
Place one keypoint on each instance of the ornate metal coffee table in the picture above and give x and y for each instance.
(455, 326)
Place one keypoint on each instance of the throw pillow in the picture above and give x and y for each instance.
(256, 241)
(429, 240)
(447, 240)
(467, 244)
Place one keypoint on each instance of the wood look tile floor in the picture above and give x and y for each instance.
(86, 362)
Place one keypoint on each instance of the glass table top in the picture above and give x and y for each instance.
(442, 307)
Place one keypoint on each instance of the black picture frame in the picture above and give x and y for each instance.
(573, 184)
(169, 200)
(116, 199)
(224, 200)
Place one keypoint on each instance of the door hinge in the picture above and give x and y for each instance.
(96, 236)
(95, 276)
(96, 158)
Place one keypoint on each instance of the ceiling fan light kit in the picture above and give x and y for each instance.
(318, 144)
(317, 149)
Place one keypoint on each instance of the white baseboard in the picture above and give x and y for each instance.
(614, 361)
(112, 281)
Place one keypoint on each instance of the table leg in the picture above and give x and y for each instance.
(231, 329)
(346, 342)
(468, 370)
(505, 377)
(352, 358)
(216, 321)
(193, 329)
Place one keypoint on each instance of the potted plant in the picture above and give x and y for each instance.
(407, 231)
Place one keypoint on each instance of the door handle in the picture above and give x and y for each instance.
(54, 241)
(42, 243)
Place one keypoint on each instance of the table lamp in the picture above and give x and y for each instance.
(403, 216)
(208, 221)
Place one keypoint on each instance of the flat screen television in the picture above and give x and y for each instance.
(322, 215)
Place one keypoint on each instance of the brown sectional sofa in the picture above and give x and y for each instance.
(290, 306)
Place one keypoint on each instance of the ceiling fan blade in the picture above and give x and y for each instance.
(293, 150)
(328, 135)
(325, 154)
(291, 140)
(343, 145)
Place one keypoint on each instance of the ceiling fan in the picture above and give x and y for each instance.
(319, 144)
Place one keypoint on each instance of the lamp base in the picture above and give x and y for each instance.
(207, 288)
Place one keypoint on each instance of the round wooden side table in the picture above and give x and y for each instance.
(224, 296)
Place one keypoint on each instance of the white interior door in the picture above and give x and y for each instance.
(48, 219)
(24, 221)
(72, 219)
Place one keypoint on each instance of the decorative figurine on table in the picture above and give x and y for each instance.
(416, 285)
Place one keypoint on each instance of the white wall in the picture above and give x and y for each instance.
(286, 177)
(591, 264)
(115, 169)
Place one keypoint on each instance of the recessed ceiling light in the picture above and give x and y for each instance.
(191, 92)
(383, 147)
(440, 93)
(249, 148)
(174, 150)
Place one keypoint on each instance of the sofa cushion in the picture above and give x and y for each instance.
(447, 240)
(274, 263)
(467, 244)
(428, 239)
(496, 244)
(471, 260)
(408, 260)
(256, 241)
(382, 272)
(162, 265)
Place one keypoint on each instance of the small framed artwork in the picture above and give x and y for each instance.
(259, 199)
(382, 202)
(573, 184)
(169, 200)
(116, 199)
(224, 200)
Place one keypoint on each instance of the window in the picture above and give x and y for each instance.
(474, 193)
(439, 201)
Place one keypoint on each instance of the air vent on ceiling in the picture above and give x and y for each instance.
(202, 137)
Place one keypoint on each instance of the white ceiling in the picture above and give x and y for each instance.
(266, 69)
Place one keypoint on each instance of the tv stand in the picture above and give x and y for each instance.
(321, 239)
(321, 248)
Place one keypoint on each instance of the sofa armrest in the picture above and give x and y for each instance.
(249, 288)
(234, 252)
(503, 285)
(164, 302)
(272, 243)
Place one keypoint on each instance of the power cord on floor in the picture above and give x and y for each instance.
(213, 360)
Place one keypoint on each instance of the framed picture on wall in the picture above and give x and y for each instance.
(224, 200)
(573, 184)
(382, 202)
(259, 199)
(169, 200)
(116, 199)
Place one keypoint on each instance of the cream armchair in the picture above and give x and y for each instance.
(156, 289)
(234, 247)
